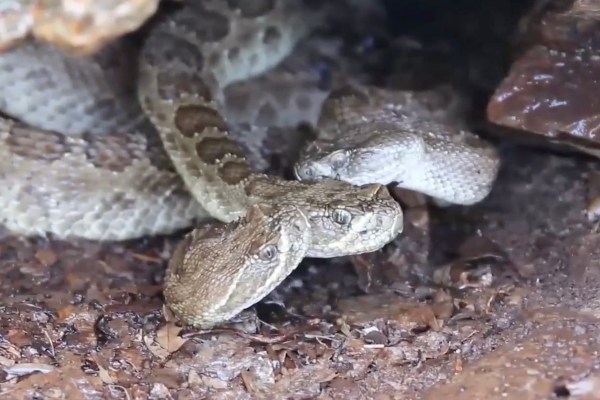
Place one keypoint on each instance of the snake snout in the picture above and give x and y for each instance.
(397, 225)
(376, 191)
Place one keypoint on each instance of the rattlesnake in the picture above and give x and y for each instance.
(367, 138)
(107, 185)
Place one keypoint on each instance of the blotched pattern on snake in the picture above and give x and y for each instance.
(93, 163)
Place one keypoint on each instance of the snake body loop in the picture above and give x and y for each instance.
(88, 159)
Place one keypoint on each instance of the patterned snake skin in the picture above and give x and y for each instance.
(132, 171)
(365, 138)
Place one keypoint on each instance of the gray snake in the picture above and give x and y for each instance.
(133, 169)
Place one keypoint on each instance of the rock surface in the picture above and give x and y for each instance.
(78, 26)
(552, 88)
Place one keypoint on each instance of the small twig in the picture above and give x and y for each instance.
(127, 396)
(51, 344)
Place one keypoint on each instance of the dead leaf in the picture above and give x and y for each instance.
(250, 382)
(19, 337)
(425, 316)
(304, 382)
(167, 340)
(46, 257)
(168, 314)
(155, 348)
(344, 328)
(194, 379)
(168, 337)
(67, 312)
(6, 362)
(213, 383)
(105, 375)
(443, 310)
(344, 386)
(458, 363)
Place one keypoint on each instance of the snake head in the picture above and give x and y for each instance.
(320, 161)
(214, 274)
(434, 158)
(324, 159)
(347, 219)
(374, 154)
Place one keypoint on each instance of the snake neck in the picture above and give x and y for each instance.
(185, 65)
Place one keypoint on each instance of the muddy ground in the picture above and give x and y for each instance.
(496, 301)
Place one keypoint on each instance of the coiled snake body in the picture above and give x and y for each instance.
(99, 167)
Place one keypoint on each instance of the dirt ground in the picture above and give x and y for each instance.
(85, 320)
(496, 301)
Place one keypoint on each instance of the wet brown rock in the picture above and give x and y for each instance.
(551, 89)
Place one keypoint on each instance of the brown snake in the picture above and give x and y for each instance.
(115, 181)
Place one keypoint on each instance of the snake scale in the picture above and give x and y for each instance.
(87, 159)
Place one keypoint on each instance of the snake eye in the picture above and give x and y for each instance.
(308, 171)
(305, 172)
(339, 159)
(341, 217)
(268, 252)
